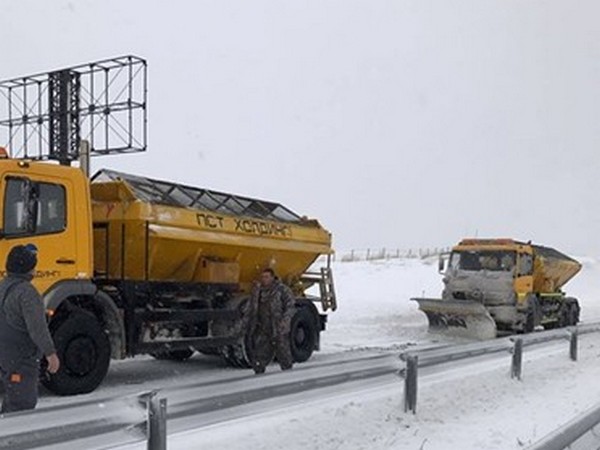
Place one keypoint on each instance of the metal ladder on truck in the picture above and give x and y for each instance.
(324, 278)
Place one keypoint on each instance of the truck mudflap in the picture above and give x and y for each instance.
(462, 318)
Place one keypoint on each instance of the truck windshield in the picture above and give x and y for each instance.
(497, 261)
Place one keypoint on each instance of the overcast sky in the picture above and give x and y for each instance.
(395, 123)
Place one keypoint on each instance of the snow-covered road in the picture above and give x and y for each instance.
(81, 422)
(474, 405)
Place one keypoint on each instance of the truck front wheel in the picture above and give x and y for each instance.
(84, 352)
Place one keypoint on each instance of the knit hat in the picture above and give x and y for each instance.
(21, 260)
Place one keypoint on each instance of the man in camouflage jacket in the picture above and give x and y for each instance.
(272, 309)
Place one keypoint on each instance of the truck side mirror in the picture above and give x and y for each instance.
(441, 264)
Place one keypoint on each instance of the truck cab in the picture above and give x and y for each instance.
(47, 205)
(498, 274)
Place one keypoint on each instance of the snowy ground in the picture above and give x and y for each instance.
(374, 303)
(472, 406)
(375, 308)
(476, 406)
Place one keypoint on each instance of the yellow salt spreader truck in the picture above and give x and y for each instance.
(496, 286)
(130, 265)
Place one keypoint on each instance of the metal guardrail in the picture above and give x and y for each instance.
(415, 359)
(578, 433)
(131, 419)
(122, 421)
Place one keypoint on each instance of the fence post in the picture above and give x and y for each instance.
(517, 359)
(410, 384)
(157, 422)
(573, 345)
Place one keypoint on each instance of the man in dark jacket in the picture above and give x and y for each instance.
(24, 334)
(272, 309)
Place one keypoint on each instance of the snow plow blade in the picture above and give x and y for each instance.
(461, 318)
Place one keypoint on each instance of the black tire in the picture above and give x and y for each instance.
(239, 355)
(173, 355)
(304, 334)
(84, 352)
(533, 315)
(529, 325)
(573, 313)
(569, 313)
(564, 316)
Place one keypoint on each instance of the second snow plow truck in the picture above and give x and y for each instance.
(502, 285)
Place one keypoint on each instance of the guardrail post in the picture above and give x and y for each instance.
(157, 422)
(517, 359)
(410, 384)
(573, 345)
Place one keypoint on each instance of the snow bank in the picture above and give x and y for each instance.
(374, 307)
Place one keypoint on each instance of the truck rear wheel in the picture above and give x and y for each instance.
(239, 355)
(570, 312)
(574, 315)
(304, 334)
(529, 322)
(84, 352)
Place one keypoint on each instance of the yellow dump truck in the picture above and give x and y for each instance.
(493, 285)
(130, 265)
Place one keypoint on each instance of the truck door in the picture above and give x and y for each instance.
(40, 211)
(524, 276)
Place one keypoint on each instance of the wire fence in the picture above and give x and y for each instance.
(375, 254)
